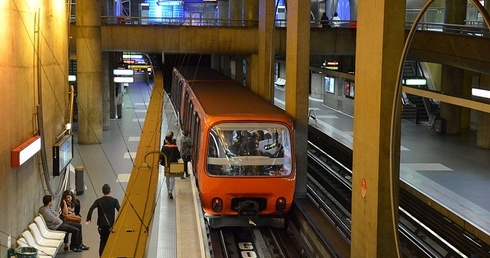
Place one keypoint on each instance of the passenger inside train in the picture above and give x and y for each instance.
(236, 151)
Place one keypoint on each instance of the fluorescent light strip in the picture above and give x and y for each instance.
(25, 151)
(412, 82)
(123, 79)
(132, 56)
(480, 93)
(129, 72)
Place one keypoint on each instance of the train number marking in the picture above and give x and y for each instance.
(247, 250)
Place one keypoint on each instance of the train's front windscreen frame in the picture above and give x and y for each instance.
(249, 149)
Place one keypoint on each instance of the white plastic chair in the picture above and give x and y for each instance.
(49, 251)
(46, 232)
(40, 240)
(21, 242)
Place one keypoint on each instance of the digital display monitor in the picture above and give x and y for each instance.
(62, 154)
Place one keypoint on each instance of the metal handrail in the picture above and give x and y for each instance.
(474, 28)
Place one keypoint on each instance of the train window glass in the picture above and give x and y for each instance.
(195, 132)
(190, 114)
(249, 149)
(185, 115)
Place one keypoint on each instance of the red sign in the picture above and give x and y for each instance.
(363, 188)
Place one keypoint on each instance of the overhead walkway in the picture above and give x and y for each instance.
(430, 43)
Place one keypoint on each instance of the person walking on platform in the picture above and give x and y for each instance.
(54, 222)
(106, 213)
(186, 150)
(172, 154)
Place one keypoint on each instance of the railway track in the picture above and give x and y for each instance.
(263, 242)
(424, 232)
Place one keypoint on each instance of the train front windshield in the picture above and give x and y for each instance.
(249, 149)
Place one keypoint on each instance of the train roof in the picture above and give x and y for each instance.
(225, 98)
(194, 73)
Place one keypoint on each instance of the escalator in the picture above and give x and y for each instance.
(414, 108)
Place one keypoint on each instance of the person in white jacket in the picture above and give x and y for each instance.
(335, 20)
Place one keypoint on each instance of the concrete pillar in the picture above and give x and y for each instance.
(215, 62)
(107, 81)
(483, 131)
(225, 67)
(251, 11)
(235, 12)
(380, 40)
(266, 52)
(252, 73)
(239, 69)
(315, 8)
(353, 9)
(451, 84)
(89, 76)
(317, 85)
(451, 77)
(297, 81)
(223, 9)
(455, 11)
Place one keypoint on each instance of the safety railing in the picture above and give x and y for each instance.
(477, 29)
(178, 21)
(471, 28)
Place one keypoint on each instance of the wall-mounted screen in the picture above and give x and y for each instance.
(62, 154)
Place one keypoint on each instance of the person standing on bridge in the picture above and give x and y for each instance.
(106, 212)
(335, 20)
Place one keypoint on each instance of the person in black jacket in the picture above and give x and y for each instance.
(106, 212)
(172, 154)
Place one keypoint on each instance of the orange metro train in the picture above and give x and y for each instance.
(243, 155)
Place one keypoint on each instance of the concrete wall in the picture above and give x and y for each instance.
(33, 33)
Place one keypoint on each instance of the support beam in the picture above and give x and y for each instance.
(380, 39)
(89, 75)
(298, 81)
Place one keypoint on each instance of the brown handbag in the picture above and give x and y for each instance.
(72, 217)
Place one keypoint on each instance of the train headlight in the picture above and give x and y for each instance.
(280, 204)
(217, 205)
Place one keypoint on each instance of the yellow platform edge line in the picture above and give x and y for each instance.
(130, 232)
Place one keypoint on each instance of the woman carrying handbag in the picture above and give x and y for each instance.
(70, 211)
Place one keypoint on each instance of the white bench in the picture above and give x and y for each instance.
(47, 242)
(46, 232)
(280, 82)
(44, 250)
(40, 240)
(21, 242)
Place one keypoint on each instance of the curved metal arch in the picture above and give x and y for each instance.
(397, 99)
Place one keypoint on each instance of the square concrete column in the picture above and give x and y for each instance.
(380, 39)
(297, 82)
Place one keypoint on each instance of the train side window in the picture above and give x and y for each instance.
(195, 132)
(190, 115)
(186, 111)
(178, 96)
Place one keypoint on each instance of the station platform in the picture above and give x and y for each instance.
(448, 169)
(111, 162)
